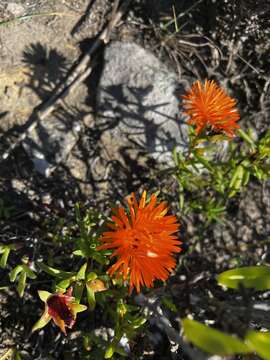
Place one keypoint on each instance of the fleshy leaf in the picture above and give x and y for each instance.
(30, 273)
(17, 356)
(169, 304)
(78, 290)
(4, 257)
(55, 272)
(81, 272)
(90, 297)
(236, 180)
(212, 340)
(246, 137)
(64, 284)
(15, 272)
(138, 322)
(257, 277)
(21, 283)
(78, 253)
(259, 342)
(121, 351)
(109, 352)
(91, 276)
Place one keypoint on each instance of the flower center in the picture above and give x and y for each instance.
(57, 307)
(140, 240)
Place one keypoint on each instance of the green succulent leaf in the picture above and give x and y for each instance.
(100, 257)
(120, 350)
(15, 272)
(78, 253)
(109, 352)
(169, 304)
(4, 257)
(21, 283)
(138, 322)
(81, 272)
(246, 137)
(259, 342)
(90, 297)
(55, 272)
(78, 290)
(256, 277)
(91, 276)
(236, 180)
(30, 273)
(259, 172)
(202, 160)
(17, 356)
(246, 177)
(213, 341)
(64, 284)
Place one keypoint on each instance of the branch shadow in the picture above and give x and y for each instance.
(126, 131)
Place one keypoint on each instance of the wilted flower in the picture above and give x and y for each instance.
(61, 308)
(209, 106)
(143, 240)
(96, 285)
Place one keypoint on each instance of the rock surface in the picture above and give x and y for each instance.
(137, 102)
(51, 142)
(137, 109)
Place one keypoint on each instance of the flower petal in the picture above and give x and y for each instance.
(43, 321)
(209, 106)
(144, 249)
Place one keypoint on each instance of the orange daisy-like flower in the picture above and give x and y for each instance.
(208, 105)
(143, 240)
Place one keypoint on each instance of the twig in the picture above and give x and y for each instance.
(262, 97)
(181, 14)
(78, 75)
(235, 52)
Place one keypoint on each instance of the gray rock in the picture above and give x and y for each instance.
(137, 103)
(50, 142)
(137, 109)
(15, 9)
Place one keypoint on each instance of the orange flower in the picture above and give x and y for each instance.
(209, 105)
(143, 240)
